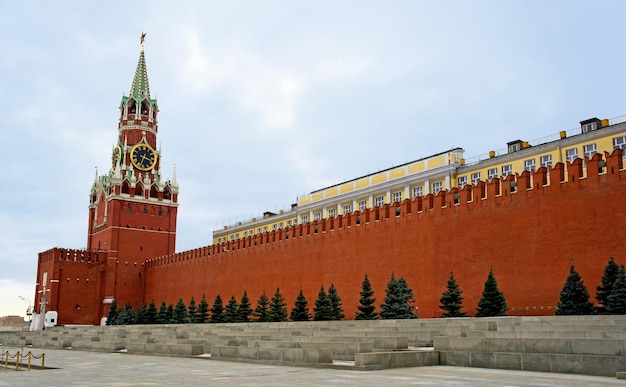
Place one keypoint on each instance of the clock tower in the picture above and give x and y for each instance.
(132, 208)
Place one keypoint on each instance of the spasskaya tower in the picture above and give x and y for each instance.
(132, 208)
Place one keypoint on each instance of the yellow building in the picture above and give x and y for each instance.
(435, 173)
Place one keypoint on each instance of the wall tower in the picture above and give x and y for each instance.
(132, 208)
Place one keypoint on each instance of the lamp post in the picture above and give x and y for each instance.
(29, 311)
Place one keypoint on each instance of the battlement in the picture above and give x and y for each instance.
(528, 227)
(580, 173)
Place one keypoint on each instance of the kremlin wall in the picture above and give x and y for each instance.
(419, 221)
(528, 227)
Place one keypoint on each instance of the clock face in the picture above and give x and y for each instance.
(116, 156)
(143, 157)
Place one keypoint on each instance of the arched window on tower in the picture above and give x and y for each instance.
(139, 189)
(167, 193)
(132, 107)
(126, 187)
(144, 108)
(153, 191)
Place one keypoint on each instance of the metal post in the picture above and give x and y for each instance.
(17, 361)
(30, 354)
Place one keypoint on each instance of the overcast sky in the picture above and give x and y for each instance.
(262, 101)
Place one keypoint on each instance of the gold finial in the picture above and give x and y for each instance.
(143, 38)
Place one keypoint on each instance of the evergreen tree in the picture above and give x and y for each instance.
(262, 309)
(398, 300)
(162, 316)
(245, 310)
(127, 317)
(152, 314)
(192, 311)
(112, 315)
(217, 311)
(323, 310)
(611, 272)
(278, 308)
(230, 312)
(203, 310)
(335, 301)
(366, 302)
(142, 312)
(180, 315)
(492, 302)
(452, 299)
(574, 298)
(616, 302)
(300, 311)
(169, 314)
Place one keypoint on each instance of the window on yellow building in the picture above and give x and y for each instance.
(571, 154)
(462, 181)
(397, 196)
(437, 186)
(417, 192)
(317, 216)
(529, 165)
(289, 223)
(331, 212)
(492, 173)
(507, 170)
(347, 209)
(475, 177)
(362, 205)
(305, 218)
(589, 150)
(619, 142)
(545, 161)
(380, 200)
(274, 227)
(264, 228)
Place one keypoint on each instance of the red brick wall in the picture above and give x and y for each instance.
(529, 237)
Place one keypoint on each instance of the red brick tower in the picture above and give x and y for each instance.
(132, 209)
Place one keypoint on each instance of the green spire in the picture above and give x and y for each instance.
(140, 88)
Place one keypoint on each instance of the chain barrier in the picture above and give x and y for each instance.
(19, 359)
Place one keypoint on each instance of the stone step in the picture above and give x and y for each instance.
(273, 355)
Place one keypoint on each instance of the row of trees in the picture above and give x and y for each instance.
(397, 304)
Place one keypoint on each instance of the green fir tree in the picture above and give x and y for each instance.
(245, 309)
(399, 299)
(203, 310)
(217, 311)
(262, 309)
(492, 302)
(278, 308)
(152, 314)
(452, 299)
(616, 302)
(180, 315)
(162, 315)
(192, 311)
(574, 298)
(323, 309)
(367, 305)
(113, 312)
(230, 312)
(142, 314)
(169, 314)
(127, 316)
(300, 311)
(335, 301)
(603, 291)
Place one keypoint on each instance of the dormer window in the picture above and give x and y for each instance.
(514, 146)
(590, 125)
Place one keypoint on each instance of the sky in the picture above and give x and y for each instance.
(263, 101)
